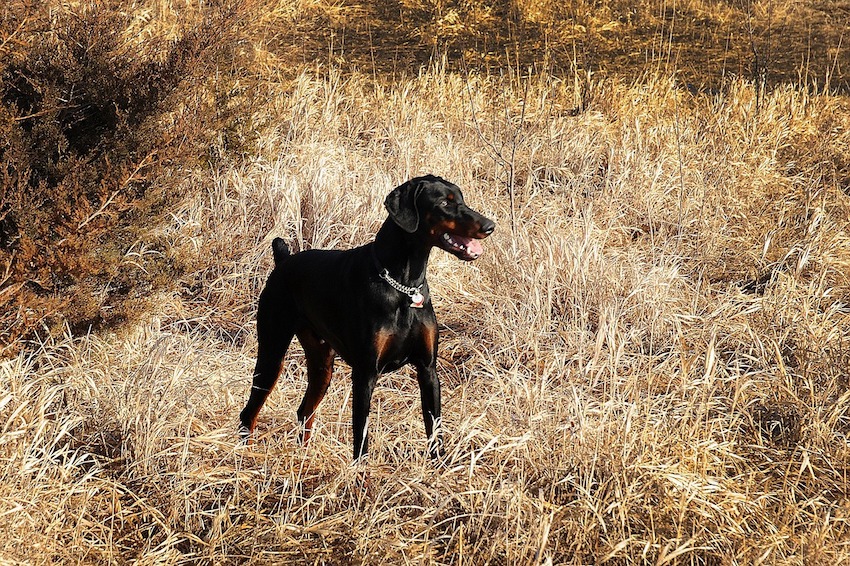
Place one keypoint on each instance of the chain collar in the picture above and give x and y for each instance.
(417, 299)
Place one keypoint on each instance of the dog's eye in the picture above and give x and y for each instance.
(444, 203)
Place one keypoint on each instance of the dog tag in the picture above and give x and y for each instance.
(416, 300)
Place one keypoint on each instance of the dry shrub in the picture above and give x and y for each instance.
(101, 110)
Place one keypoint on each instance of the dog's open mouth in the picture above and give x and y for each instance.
(465, 248)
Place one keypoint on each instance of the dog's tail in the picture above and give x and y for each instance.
(280, 250)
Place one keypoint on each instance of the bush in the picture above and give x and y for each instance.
(92, 120)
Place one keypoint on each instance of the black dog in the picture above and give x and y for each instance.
(370, 305)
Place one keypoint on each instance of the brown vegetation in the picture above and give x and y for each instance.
(649, 364)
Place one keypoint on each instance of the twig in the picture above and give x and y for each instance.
(496, 153)
(13, 34)
(830, 72)
(44, 112)
(132, 177)
(100, 210)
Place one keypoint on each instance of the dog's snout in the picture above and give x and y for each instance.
(487, 226)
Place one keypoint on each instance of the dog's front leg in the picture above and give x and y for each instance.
(429, 391)
(363, 384)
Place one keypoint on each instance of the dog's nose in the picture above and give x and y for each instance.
(487, 226)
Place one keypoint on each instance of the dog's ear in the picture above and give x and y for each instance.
(401, 204)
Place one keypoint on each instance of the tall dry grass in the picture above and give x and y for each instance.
(648, 365)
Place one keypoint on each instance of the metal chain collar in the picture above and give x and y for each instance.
(417, 299)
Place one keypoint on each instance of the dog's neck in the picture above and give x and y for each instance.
(404, 255)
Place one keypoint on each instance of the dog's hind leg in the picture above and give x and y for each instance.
(274, 334)
(320, 366)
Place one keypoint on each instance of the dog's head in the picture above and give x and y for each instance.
(434, 209)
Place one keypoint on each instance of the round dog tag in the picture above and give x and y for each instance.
(417, 300)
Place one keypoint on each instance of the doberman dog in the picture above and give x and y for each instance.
(370, 305)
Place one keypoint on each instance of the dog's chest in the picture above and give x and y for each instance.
(398, 345)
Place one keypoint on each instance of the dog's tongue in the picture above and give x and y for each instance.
(474, 247)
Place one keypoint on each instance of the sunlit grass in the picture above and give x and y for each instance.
(649, 364)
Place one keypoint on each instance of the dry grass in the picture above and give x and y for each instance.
(648, 365)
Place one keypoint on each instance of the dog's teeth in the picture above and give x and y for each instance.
(451, 241)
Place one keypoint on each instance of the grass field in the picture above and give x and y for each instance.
(650, 364)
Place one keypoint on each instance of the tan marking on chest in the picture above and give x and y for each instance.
(383, 341)
(429, 338)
